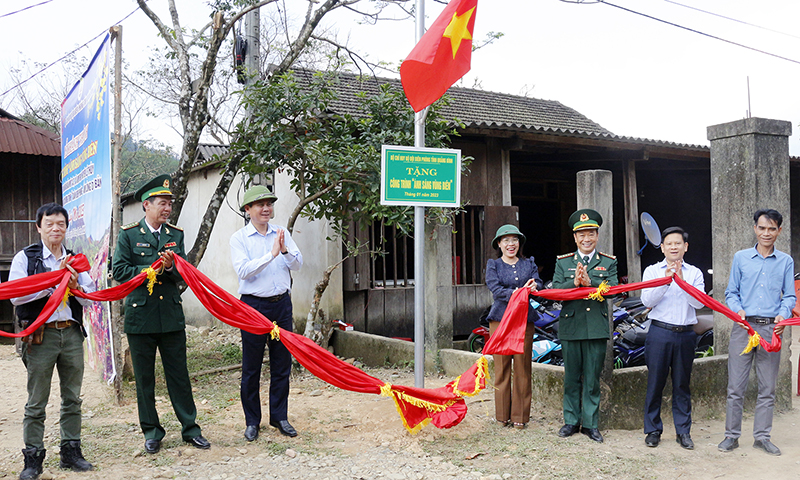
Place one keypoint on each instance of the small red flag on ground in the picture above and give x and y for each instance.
(441, 57)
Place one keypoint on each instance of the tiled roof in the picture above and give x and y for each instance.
(17, 136)
(471, 106)
(482, 109)
(206, 152)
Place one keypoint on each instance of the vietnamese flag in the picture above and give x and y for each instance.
(441, 57)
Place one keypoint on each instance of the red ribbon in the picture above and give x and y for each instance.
(444, 406)
(507, 339)
(60, 279)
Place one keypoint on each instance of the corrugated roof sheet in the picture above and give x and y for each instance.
(17, 136)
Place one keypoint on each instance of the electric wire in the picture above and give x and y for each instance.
(66, 55)
(23, 9)
(732, 19)
(700, 33)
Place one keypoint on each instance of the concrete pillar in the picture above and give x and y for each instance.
(595, 191)
(749, 170)
(438, 292)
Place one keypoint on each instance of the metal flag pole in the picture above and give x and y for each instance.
(419, 236)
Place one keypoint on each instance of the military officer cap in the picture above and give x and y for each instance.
(256, 193)
(585, 219)
(156, 187)
(508, 230)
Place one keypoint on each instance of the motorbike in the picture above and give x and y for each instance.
(546, 347)
(630, 333)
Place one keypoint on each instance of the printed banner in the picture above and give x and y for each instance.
(86, 194)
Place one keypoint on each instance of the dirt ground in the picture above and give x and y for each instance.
(348, 425)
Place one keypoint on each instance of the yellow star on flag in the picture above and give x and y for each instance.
(457, 30)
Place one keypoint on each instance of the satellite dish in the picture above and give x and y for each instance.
(651, 231)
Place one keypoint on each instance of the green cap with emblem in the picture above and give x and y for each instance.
(508, 230)
(256, 193)
(585, 219)
(155, 188)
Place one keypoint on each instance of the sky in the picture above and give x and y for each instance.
(633, 75)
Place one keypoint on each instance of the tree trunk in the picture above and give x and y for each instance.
(195, 255)
(317, 331)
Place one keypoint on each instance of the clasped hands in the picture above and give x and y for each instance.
(280, 245)
(168, 258)
(582, 276)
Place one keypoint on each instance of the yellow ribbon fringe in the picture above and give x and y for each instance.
(752, 342)
(151, 278)
(482, 373)
(67, 293)
(601, 290)
(386, 390)
(275, 334)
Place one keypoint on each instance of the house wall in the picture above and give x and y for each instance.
(30, 182)
(310, 237)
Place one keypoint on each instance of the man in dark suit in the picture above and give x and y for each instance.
(156, 321)
(583, 328)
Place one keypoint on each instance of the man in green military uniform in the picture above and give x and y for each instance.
(156, 321)
(583, 328)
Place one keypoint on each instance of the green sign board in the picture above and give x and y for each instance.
(422, 177)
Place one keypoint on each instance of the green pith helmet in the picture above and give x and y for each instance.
(585, 219)
(156, 187)
(508, 230)
(256, 193)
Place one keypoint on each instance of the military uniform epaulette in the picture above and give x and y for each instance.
(130, 225)
(612, 257)
(175, 227)
(566, 255)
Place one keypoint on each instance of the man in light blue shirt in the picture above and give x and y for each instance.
(671, 340)
(263, 255)
(761, 290)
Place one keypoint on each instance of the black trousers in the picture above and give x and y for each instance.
(667, 351)
(280, 362)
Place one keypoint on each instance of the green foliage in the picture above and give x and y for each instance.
(38, 118)
(141, 160)
(333, 160)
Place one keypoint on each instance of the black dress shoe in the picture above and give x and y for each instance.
(592, 433)
(199, 442)
(284, 427)
(251, 433)
(568, 430)
(652, 439)
(685, 441)
(152, 446)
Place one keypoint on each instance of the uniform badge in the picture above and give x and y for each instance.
(142, 244)
(584, 217)
(141, 229)
(570, 269)
(166, 183)
(599, 267)
(173, 244)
